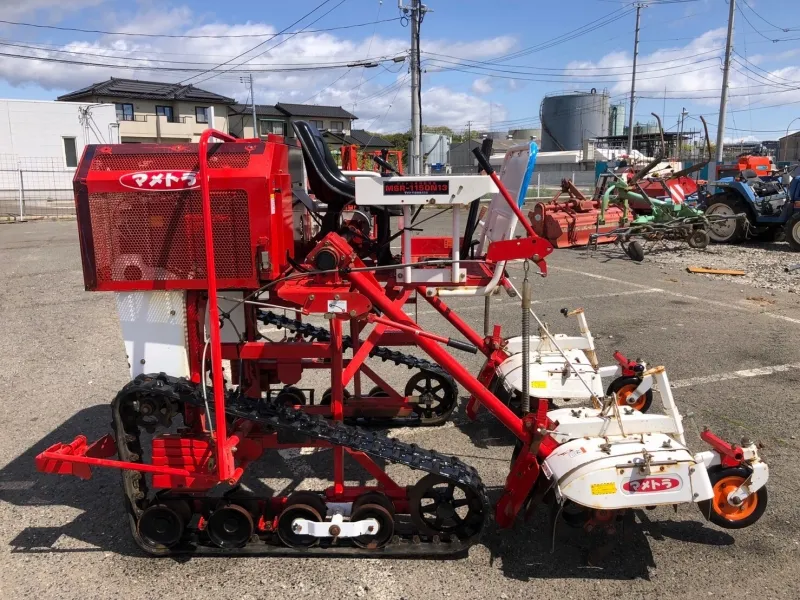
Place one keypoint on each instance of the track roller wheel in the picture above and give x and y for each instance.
(230, 526)
(623, 387)
(442, 507)
(698, 239)
(374, 505)
(720, 511)
(437, 396)
(160, 526)
(377, 392)
(291, 395)
(327, 394)
(300, 505)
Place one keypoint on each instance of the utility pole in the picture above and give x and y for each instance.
(256, 133)
(633, 80)
(415, 12)
(723, 101)
(684, 113)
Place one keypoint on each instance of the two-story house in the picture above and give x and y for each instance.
(278, 119)
(151, 111)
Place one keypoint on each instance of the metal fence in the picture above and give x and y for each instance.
(35, 187)
(547, 184)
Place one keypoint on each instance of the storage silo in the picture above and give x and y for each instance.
(616, 120)
(569, 119)
(435, 148)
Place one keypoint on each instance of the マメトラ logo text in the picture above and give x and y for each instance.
(651, 484)
(160, 181)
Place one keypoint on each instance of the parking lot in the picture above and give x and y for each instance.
(732, 353)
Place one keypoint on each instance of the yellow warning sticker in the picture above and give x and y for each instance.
(538, 384)
(601, 489)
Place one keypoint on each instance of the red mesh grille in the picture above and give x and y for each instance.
(177, 161)
(160, 236)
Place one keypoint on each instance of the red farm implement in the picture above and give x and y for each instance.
(201, 245)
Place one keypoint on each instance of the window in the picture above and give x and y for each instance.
(70, 152)
(124, 111)
(166, 111)
(337, 126)
(266, 127)
(318, 124)
(201, 114)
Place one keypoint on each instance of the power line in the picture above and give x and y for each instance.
(342, 76)
(692, 61)
(756, 13)
(369, 47)
(468, 62)
(570, 35)
(215, 37)
(283, 31)
(202, 65)
(753, 27)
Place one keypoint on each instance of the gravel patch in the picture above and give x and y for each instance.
(764, 263)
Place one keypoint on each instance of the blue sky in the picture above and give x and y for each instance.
(486, 62)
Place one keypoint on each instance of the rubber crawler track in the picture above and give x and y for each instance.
(168, 395)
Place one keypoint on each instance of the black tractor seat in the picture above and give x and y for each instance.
(324, 176)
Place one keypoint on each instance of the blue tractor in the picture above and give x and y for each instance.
(771, 210)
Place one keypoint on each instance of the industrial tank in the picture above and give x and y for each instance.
(569, 119)
(616, 120)
(435, 148)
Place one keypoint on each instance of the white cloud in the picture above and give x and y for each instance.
(693, 71)
(52, 10)
(381, 103)
(482, 85)
(744, 139)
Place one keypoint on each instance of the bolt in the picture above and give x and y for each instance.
(296, 528)
(695, 495)
(536, 258)
(336, 297)
(172, 313)
(141, 361)
(691, 471)
(370, 529)
(334, 530)
(311, 296)
(399, 275)
(353, 313)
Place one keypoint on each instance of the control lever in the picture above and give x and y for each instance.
(385, 165)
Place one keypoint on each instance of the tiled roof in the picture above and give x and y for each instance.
(311, 110)
(262, 110)
(147, 90)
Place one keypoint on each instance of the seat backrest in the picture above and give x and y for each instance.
(324, 176)
(501, 221)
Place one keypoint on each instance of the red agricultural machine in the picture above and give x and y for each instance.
(204, 245)
(621, 199)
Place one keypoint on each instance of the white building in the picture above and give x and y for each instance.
(41, 143)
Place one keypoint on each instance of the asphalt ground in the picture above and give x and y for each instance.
(734, 363)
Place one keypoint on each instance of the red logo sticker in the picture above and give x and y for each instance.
(160, 181)
(651, 484)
